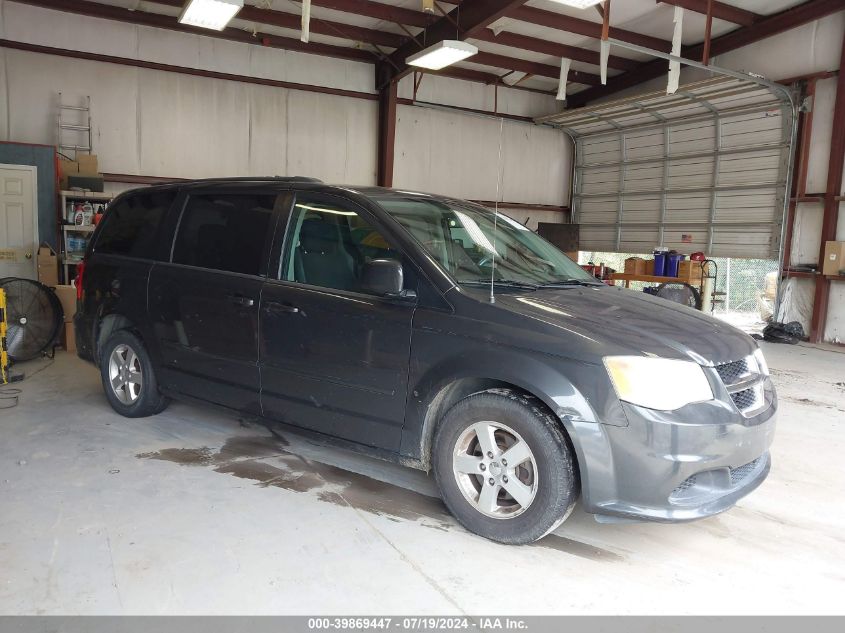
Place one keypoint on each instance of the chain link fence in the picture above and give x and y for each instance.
(742, 280)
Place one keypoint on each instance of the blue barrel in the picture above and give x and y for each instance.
(659, 264)
(673, 261)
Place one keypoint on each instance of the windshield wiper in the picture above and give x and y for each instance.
(508, 283)
(571, 282)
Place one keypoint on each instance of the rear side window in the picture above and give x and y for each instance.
(131, 224)
(224, 232)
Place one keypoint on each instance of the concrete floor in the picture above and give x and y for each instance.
(193, 511)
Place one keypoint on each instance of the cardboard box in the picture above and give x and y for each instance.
(67, 297)
(649, 267)
(635, 266)
(67, 168)
(48, 265)
(689, 270)
(87, 183)
(834, 258)
(88, 165)
(69, 335)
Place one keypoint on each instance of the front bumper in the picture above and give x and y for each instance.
(675, 466)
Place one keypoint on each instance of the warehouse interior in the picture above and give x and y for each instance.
(705, 137)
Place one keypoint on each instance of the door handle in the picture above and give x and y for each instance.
(241, 300)
(274, 307)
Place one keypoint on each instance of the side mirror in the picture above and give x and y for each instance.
(383, 277)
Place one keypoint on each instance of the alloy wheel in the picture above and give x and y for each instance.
(125, 375)
(495, 470)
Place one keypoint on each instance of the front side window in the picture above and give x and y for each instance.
(131, 224)
(473, 244)
(225, 232)
(329, 245)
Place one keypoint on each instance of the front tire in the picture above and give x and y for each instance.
(504, 467)
(128, 377)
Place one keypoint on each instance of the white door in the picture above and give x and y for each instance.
(18, 221)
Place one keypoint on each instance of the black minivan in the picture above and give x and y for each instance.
(432, 332)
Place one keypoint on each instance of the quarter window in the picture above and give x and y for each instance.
(224, 232)
(131, 224)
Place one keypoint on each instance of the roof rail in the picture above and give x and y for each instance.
(252, 179)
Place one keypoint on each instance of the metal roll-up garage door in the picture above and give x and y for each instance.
(705, 169)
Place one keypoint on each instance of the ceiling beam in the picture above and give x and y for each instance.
(532, 68)
(547, 47)
(157, 20)
(182, 70)
(470, 74)
(376, 37)
(378, 10)
(777, 23)
(586, 28)
(412, 17)
(766, 27)
(723, 11)
(472, 17)
(293, 21)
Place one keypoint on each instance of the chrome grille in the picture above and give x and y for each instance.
(685, 485)
(732, 372)
(744, 399)
(741, 472)
(744, 383)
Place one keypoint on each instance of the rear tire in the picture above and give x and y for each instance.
(128, 377)
(517, 502)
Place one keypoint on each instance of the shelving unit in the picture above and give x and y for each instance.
(654, 279)
(692, 275)
(801, 274)
(71, 254)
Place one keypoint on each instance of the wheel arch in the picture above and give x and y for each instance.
(446, 385)
(108, 324)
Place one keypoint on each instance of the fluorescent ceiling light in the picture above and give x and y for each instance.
(210, 14)
(442, 54)
(578, 4)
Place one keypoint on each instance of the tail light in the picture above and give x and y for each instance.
(80, 273)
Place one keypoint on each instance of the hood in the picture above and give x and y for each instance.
(612, 321)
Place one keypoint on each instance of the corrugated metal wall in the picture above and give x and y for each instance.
(156, 123)
(46, 27)
(810, 48)
(458, 155)
(468, 94)
(165, 124)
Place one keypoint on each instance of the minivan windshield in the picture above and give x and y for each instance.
(475, 245)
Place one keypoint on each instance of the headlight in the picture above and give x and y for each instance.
(658, 383)
(761, 362)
